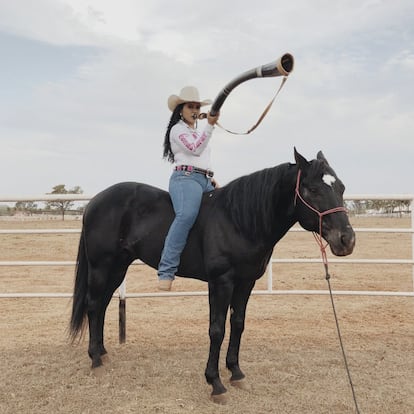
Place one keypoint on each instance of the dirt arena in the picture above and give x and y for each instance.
(290, 351)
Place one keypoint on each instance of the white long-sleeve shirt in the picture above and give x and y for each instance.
(189, 146)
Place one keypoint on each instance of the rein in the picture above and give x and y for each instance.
(322, 247)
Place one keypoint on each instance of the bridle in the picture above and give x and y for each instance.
(322, 246)
(318, 237)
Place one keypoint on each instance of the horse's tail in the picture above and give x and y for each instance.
(79, 306)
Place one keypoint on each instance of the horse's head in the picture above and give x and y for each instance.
(319, 204)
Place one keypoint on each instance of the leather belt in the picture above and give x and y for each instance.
(190, 168)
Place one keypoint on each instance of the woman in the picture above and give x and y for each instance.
(188, 149)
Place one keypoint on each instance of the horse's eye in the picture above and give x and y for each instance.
(313, 190)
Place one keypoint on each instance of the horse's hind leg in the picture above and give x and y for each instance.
(96, 315)
(238, 305)
(101, 286)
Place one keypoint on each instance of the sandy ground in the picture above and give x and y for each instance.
(290, 351)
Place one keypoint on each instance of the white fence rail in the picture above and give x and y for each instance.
(268, 291)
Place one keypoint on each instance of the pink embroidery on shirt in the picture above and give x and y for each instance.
(202, 139)
(183, 139)
(192, 146)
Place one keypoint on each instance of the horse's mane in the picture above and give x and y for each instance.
(250, 201)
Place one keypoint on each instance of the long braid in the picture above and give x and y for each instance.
(175, 117)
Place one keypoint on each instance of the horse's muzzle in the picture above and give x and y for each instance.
(342, 243)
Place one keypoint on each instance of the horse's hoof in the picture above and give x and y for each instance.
(96, 362)
(221, 399)
(240, 384)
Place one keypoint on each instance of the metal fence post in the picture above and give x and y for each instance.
(122, 312)
(412, 236)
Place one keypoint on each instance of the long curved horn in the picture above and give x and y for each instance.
(280, 67)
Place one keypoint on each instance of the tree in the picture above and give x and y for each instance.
(26, 206)
(388, 207)
(62, 205)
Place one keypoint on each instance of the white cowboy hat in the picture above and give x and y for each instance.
(187, 94)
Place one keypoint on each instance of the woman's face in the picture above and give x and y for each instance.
(191, 111)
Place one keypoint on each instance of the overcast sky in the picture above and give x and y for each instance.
(84, 87)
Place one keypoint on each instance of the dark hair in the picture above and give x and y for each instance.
(175, 117)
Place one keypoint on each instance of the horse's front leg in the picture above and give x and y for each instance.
(220, 292)
(241, 295)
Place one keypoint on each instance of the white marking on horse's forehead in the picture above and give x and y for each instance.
(328, 179)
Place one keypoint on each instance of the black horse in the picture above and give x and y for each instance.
(229, 246)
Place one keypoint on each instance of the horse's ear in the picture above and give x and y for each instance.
(321, 157)
(301, 161)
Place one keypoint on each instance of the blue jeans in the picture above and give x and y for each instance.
(186, 190)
